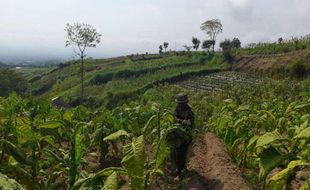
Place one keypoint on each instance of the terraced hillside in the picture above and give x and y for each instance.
(219, 81)
(119, 76)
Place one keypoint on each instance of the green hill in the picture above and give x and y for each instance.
(2, 65)
(121, 76)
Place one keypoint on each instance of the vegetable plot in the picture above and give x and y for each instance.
(218, 81)
(46, 148)
(271, 136)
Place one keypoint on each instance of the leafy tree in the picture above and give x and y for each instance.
(166, 44)
(11, 81)
(206, 44)
(280, 40)
(160, 49)
(226, 46)
(212, 28)
(236, 43)
(196, 43)
(297, 68)
(82, 36)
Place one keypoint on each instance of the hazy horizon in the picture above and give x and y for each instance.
(34, 29)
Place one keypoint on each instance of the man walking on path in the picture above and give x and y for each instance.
(185, 117)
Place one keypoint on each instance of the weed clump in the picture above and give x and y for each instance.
(297, 68)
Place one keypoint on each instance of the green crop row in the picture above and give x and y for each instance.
(43, 147)
(265, 126)
(103, 78)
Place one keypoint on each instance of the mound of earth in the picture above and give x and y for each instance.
(212, 167)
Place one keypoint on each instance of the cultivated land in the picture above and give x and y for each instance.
(123, 75)
(252, 125)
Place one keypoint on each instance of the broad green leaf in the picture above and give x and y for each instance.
(22, 175)
(222, 124)
(12, 150)
(304, 105)
(116, 135)
(109, 171)
(268, 138)
(111, 182)
(92, 177)
(9, 184)
(53, 155)
(271, 115)
(244, 108)
(134, 161)
(252, 142)
(78, 184)
(236, 144)
(51, 128)
(296, 163)
(78, 145)
(162, 152)
(50, 132)
(51, 124)
(148, 123)
(306, 186)
(304, 134)
(269, 159)
(279, 180)
(229, 137)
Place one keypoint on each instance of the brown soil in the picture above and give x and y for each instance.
(211, 167)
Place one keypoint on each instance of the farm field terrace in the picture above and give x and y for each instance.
(264, 124)
(119, 75)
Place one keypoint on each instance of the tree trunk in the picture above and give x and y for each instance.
(82, 78)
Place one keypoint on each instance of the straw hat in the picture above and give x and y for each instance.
(182, 98)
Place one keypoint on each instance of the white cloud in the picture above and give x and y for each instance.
(240, 3)
(35, 27)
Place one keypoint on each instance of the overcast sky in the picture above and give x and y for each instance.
(35, 28)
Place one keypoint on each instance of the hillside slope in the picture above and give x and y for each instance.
(2, 65)
(273, 64)
(119, 76)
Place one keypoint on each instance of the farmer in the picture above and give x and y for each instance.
(185, 117)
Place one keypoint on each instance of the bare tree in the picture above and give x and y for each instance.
(188, 48)
(212, 28)
(82, 36)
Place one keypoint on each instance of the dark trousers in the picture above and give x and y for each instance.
(180, 154)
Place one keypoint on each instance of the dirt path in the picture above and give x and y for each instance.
(211, 166)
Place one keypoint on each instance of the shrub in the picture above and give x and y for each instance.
(11, 81)
(36, 78)
(203, 59)
(63, 65)
(124, 73)
(297, 68)
(101, 78)
(45, 88)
